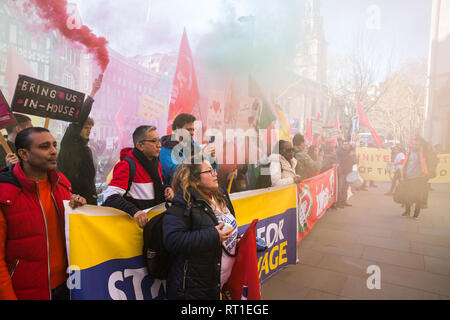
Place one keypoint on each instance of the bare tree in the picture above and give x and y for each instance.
(400, 111)
(357, 75)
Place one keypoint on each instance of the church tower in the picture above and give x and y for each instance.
(311, 58)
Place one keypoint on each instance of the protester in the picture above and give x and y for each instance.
(33, 259)
(415, 177)
(316, 154)
(346, 157)
(196, 235)
(23, 122)
(240, 181)
(329, 159)
(172, 151)
(283, 164)
(398, 155)
(146, 188)
(305, 166)
(75, 158)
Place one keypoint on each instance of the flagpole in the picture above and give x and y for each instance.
(5, 144)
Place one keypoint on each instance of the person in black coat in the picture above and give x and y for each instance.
(75, 157)
(346, 157)
(196, 236)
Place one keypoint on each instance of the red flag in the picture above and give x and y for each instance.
(336, 122)
(119, 122)
(243, 283)
(364, 121)
(185, 94)
(308, 132)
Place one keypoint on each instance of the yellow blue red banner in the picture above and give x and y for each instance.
(105, 245)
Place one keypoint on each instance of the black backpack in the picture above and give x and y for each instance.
(155, 254)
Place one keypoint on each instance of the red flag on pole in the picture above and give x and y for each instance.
(364, 121)
(336, 122)
(119, 123)
(243, 283)
(308, 132)
(185, 94)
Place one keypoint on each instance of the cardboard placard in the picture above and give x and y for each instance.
(6, 117)
(43, 99)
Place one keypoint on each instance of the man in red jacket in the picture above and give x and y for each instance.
(146, 188)
(33, 260)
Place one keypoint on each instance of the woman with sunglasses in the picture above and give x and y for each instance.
(200, 233)
(282, 165)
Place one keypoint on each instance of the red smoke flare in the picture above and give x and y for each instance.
(55, 13)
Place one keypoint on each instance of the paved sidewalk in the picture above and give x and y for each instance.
(413, 256)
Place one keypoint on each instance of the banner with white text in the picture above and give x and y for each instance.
(105, 245)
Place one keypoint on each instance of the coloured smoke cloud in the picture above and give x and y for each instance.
(54, 12)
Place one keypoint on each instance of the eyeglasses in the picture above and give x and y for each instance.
(157, 141)
(289, 150)
(211, 171)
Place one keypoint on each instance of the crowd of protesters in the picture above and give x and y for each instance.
(36, 178)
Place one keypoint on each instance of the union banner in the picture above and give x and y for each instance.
(315, 196)
(374, 164)
(104, 245)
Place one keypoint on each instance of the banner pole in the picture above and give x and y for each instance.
(231, 181)
(5, 144)
(47, 123)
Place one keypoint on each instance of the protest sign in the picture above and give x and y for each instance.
(6, 120)
(6, 117)
(43, 99)
(216, 103)
(247, 113)
(150, 108)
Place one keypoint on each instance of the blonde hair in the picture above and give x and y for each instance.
(187, 176)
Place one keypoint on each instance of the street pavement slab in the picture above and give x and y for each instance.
(413, 256)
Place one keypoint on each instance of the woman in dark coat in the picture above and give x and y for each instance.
(200, 233)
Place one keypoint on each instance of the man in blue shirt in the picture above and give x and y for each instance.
(175, 147)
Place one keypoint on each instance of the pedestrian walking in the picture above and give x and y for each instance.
(346, 157)
(415, 177)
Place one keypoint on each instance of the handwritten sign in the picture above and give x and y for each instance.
(43, 99)
(6, 117)
(150, 108)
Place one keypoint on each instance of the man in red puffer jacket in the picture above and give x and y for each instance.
(33, 258)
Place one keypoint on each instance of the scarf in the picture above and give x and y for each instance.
(152, 168)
